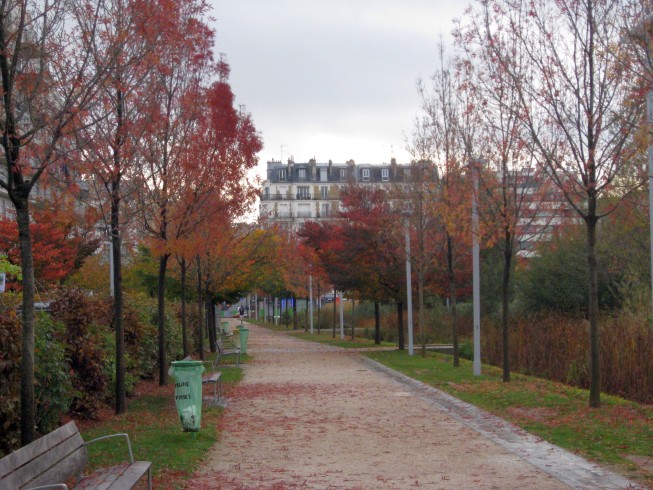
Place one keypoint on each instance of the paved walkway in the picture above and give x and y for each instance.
(314, 416)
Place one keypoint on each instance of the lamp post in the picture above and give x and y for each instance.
(409, 288)
(476, 266)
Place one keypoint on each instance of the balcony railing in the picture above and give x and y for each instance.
(298, 196)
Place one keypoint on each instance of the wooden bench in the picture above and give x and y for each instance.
(215, 378)
(58, 458)
(222, 350)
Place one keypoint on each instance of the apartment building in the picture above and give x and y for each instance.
(296, 192)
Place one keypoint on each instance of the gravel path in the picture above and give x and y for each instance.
(313, 416)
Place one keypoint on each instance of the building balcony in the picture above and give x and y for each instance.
(298, 197)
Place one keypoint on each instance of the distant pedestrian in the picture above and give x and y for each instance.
(241, 311)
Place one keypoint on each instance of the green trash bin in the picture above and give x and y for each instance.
(244, 333)
(188, 393)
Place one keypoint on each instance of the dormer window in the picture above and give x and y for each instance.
(343, 173)
(282, 175)
(301, 174)
(365, 174)
(385, 174)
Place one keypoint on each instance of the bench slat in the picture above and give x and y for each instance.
(211, 378)
(133, 474)
(115, 478)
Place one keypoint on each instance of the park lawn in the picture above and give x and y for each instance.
(153, 426)
(619, 434)
(326, 337)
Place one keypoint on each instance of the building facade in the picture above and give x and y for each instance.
(296, 192)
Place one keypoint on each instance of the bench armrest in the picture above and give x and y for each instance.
(58, 486)
(126, 436)
(211, 365)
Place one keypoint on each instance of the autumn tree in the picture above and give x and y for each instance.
(109, 138)
(446, 131)
(574, 108)
(363, 252)
(221, 150)
(512, 189)
(48, 80)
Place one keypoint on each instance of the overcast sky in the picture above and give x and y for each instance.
(332, 79)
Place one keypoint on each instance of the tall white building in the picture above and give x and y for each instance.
(297, 192)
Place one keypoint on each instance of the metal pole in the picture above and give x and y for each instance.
(342, 317)
(476, 265)
(409, 291)
(310, 300)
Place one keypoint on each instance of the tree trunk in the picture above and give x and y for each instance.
(200, 313)
(353, 317)
(161, 320)
(400, 325)
(294, 312)
(377, 323)
(116, 252)
(210, 321)
(306, 313)
(452, 294)
(505, 313)
(118, 317)
(184, 332)
(595, 374)
(420, 294)
(27, 408)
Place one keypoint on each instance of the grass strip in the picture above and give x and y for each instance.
(326, 337)
(619, 434)
(153, 426)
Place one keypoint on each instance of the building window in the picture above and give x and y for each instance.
(301, 174)
(283, 211)
(343, 173)
(282, 175)
(266, 193)
(324, 192)
(323, 175)
(303, 192)
(366, 174)
(385, 174)
(324, 210)
(304, 211)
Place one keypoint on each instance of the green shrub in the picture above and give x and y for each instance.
(10, 331)
(466, 350)
(84, 318)
(141, 337)
(53, 390)
(557, 279)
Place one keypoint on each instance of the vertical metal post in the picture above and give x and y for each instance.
(409, 291)
(310, 300)
(476, 265)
